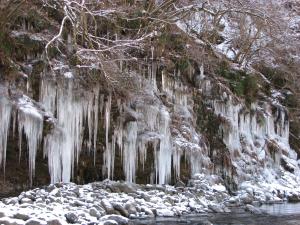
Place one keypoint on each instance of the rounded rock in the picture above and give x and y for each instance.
(35, 221)
(71, 217)
(119, 219)
(95, 213)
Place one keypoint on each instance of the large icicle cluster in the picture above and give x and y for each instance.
(187, 141)
(72, 108)
(149, 128)
(30, 122)
(146, 124)
(258, 123)
(257, 133)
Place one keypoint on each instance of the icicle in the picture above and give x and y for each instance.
(121, 65)
(54, 150)
(150, 116)
(70, 113)
(96, 119)
(231, 135)
(152, 53)
(31, 123)
(108, 157)
(89, 113)
(176, 162)
(119, 136)
(5, 114)
(152, 70)
(130, 151)
(70, 43)
(164, 156)
(48, 95)
(14, 116)
(101, 104)
(202, 71)
(142, 149)
(63, 146)
(270, 125)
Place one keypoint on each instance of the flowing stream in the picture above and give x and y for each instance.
(276, 214)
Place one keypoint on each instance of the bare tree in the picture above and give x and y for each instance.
(127, 26)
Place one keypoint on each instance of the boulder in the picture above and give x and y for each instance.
(109, 222)
(2, 213)
(121, 220)
(56, 221)
(246, 198)
(35, 221)
(147, 211)
(26, 201)
(123, 187)
(179, 184)
(216, 208)
(55, 192)
(21, 216)
(252, 209)
(94, 212)
(294, 197)
(165, 212)
(71, 217)
(79, 203)
(50, 188)
(130, 207)
(107, 206)
(120, 209)
(12, 201)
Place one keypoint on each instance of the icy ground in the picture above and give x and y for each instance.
(111, 202)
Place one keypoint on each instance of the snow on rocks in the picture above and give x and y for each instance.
(111, 202)
(106, 202)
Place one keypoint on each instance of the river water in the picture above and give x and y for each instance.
(277, 214)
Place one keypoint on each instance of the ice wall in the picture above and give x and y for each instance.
(159, 119)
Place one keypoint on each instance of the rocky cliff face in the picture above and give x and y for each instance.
(166, 120)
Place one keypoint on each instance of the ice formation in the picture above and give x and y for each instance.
(30, 122)
(109, 154)
(73, 108)
(151, 129)
(5, 114)
(257, 138)
(145, 125)
(130, 151)
(251, 125)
